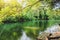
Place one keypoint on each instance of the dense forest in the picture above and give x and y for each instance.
(32, 16)
(22, 10)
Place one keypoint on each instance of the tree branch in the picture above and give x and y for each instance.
(30, 5)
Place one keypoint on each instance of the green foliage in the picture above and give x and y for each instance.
(32, 16)
(31, 12)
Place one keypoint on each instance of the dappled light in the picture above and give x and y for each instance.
(7, 1)
(27, 19)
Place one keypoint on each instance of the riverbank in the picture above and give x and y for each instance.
(51, 33)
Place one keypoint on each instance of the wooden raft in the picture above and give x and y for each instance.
(54, 36)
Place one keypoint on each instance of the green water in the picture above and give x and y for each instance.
(13, 31)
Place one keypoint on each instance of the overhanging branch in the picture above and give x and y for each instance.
(30, 5)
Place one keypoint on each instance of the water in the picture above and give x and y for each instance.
(24, 36)
(31, 29)
(54, 28)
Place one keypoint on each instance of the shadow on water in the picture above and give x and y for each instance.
(31, 29)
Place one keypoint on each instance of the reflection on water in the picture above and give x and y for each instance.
(31, 29)
(24, 36)
(53, 28)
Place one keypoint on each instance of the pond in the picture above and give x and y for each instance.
(25, 30)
